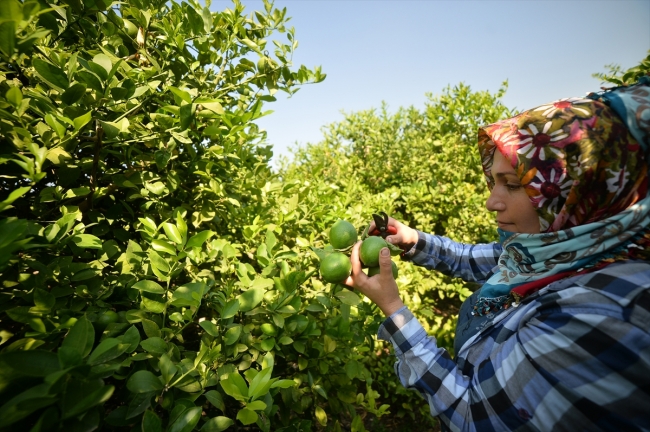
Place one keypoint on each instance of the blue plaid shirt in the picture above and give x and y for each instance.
(573, 356)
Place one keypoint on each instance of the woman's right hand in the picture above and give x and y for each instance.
(405, 238)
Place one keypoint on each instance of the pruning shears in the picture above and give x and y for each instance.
(381, 225)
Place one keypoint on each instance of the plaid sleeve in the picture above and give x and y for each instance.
(573, 359)
(470, 262)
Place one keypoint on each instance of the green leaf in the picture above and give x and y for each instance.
(257, 405)
(107, 350)
(14, 96)
(247, 416)
(163, 246)
(321, 416)
(25, 403)
(73, 94)
(54, 124)
(230, 309)
(197, 240)
(35, 363)
(207, 19)
(81, 337)
(144, 381)
(111, 130)
(151, 422)
(154, 306)
(82, 120)
(235, 386)
(52, 75)
(154, 345)
(172, 233)
(217, 424)
(96, 397)
(8, 37)
(149, 286)
(260, 385)
(232, 334)
(187, 420)
(13, 196)
(215, 398)
(189, 294)
(283, 384)
(348, 297)
(250, 298)
(182, 94)
(131, 338)
(167, 368)
(210, 328)
(87, 241)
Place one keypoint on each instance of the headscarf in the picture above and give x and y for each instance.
(582, 162)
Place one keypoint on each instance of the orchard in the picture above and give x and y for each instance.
(156, 274)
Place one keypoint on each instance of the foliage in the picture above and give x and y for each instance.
(145, 283)
(617, 76)
(421, 167)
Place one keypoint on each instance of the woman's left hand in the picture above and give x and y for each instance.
(381, 289)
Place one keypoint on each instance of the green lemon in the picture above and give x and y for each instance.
(370, 248)
(335, 267)
(375, 270)
(342, 235)
(269, 329)
(105, 319)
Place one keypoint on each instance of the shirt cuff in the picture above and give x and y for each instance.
(402, 329)
(417, 247)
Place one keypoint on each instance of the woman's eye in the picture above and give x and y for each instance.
(513, 187)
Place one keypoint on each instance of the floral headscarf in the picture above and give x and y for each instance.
(583, 165)
(575, 158)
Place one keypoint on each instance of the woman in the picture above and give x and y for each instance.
(558, 336)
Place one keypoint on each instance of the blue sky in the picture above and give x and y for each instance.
(396, 51)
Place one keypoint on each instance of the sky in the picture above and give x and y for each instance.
(376, 51)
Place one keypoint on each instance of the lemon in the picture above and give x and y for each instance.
(342, 235)
(335, 267)
(375, 270)
(370, 248)
(108, 317)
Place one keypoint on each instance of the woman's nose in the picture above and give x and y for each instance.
(494, 202)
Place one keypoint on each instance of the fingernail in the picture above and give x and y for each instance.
(389, 239)
(385, 252)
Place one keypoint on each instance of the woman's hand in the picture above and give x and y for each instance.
(405, 238)
(381, 289)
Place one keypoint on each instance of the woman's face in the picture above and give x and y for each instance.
(515, 212)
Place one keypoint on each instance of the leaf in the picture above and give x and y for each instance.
(250, 298)
(210, 328)
(81, 337)
(96, 397)
(151, 422)
(108, 349)
(144, 381)
(283, 384)
(172, 233)
(235, 386)
(82, 120)
(148, 286)
(217, 424)
(13, 196)
(32, 363)
(215, 398)
(14, 96)
(87, 241)
(321, 416)
(189, 294)
(182, 94)
(154, 345)
(197, 240)
(163, 246)
(8, 37)
(257, 405)
(131, 338)
(232, 334)
(348, 297)
(73, 94)
(260, 385)
(230, 309)
(167, 368)
(247, 416)
(52, 75)
(187, 420)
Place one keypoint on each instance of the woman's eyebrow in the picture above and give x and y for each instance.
(504, 174)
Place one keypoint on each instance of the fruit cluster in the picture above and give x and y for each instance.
(335, 265)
